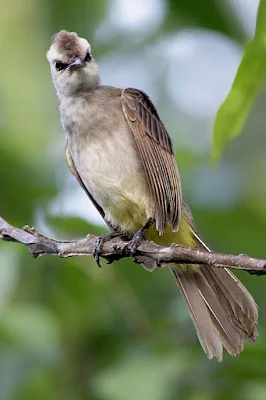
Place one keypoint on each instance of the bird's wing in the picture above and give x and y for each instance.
(74, 171)
(156, 152)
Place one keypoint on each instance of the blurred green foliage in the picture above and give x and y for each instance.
(249, 78)
(69, 330)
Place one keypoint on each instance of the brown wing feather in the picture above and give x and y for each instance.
(156, 152)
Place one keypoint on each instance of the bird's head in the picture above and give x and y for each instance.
(72, 66)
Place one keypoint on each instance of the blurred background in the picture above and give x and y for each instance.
(68, 329)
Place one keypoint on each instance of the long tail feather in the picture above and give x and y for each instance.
(222, 310)
(201, 317)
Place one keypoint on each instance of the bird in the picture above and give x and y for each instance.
(122, 156)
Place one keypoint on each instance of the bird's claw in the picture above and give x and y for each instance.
(134, 243)
(98, 246)
(138, 238)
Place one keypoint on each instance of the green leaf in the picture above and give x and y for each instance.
(234, 112)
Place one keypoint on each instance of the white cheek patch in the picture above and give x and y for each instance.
(85, 46)
(52, 54)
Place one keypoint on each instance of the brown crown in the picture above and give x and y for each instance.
(67, 43)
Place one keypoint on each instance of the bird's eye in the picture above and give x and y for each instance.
(59, 66)
(88, 57)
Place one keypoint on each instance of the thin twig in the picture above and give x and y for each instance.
(40, 245)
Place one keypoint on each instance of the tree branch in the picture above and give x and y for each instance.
(40, 245)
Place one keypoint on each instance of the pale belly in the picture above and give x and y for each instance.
(113, 174)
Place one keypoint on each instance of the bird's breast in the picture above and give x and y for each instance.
(106, 159)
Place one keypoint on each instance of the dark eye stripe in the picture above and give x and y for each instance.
(59, 66)
(88, 57)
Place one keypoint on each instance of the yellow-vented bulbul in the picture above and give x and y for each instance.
(122, 155)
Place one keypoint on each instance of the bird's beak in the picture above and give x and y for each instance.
(77, 63)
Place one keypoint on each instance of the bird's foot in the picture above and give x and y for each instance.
(98, 245)
(138, 238)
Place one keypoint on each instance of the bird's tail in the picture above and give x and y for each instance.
(223, 311)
